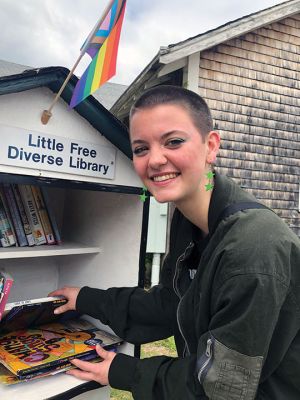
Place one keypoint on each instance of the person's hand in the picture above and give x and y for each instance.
(70, 293)
(89, 371)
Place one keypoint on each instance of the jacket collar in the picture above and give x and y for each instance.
(225, 192)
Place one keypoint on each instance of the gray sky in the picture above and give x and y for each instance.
(43, 33)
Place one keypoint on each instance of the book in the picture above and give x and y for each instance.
(32, 214)
(35, 342)
(8, 378)
(25, 313)
(63, 366)
(7, 237)
(43, 213)
(6, 282)
(51, 345)
(23, 215)
(51, 215)
(15, 215)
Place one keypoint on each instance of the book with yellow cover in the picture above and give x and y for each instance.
(8, 378)
(51, 346)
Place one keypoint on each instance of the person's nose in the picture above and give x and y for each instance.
(157, 158)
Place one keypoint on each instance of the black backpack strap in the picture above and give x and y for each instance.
(234, 208)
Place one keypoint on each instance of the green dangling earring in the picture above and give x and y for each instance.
(143, 196)
(210, 185)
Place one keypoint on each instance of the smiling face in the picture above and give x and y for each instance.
(169, 153)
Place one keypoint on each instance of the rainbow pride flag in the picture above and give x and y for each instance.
(103, 47)
(102, 29)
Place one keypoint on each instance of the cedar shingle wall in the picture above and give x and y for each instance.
(252, 85)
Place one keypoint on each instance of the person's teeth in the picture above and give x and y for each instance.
(164, 177)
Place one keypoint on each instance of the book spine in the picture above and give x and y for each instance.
(32, 214)
(39, 201)
(8, 213)
(21, 237)
(61, 367)
(51, 215)
(7, 237)
(55, 363)
(23, 215)
(57, 301)
(8, 282)
(46, 371)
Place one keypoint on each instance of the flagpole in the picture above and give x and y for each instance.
(47, 114)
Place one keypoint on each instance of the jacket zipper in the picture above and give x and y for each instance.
(175, 280)
(186, 347)
(208, 354)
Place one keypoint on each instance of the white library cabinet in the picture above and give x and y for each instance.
(101, 222)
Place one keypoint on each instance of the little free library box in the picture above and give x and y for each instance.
(81, 163)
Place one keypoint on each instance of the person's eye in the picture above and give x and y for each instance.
(174, 142)
(140, 151)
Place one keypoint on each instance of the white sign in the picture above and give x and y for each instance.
(29, 149)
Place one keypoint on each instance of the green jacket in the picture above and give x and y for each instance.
(232, 301)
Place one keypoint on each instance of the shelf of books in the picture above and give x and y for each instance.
(44, 350)
(70, 215)
(98, 234)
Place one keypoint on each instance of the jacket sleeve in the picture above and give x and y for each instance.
(244, 321)
(156, 378)
(230, 354)
(134, 314)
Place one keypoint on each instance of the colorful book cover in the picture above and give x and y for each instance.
(23, 215)
(8, 378)
(23, 314)
(25, 351)
(15, 215)
(43, 213)
(6, 282)
(32, 214)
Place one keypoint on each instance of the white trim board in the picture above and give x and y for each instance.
(229, 31)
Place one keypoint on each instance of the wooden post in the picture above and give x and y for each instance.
(47, 114)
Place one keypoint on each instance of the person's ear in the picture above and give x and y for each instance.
(213, 146)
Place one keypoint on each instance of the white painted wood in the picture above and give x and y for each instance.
(33, 277)
(24, 109)
(171, 67)
(111, 221)
(47, 251)
(101, 231)
(193, 72)
(230, 31)
(107, 220)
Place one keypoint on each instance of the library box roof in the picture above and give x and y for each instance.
(90, 109)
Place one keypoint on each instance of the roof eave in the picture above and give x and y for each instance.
(230, 31)
(90, 109)
(129, 92)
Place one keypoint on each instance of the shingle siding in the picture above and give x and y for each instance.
(252, 85)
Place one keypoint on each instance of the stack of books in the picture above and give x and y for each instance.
(26, 216)
(35, 342)
(6, 282)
